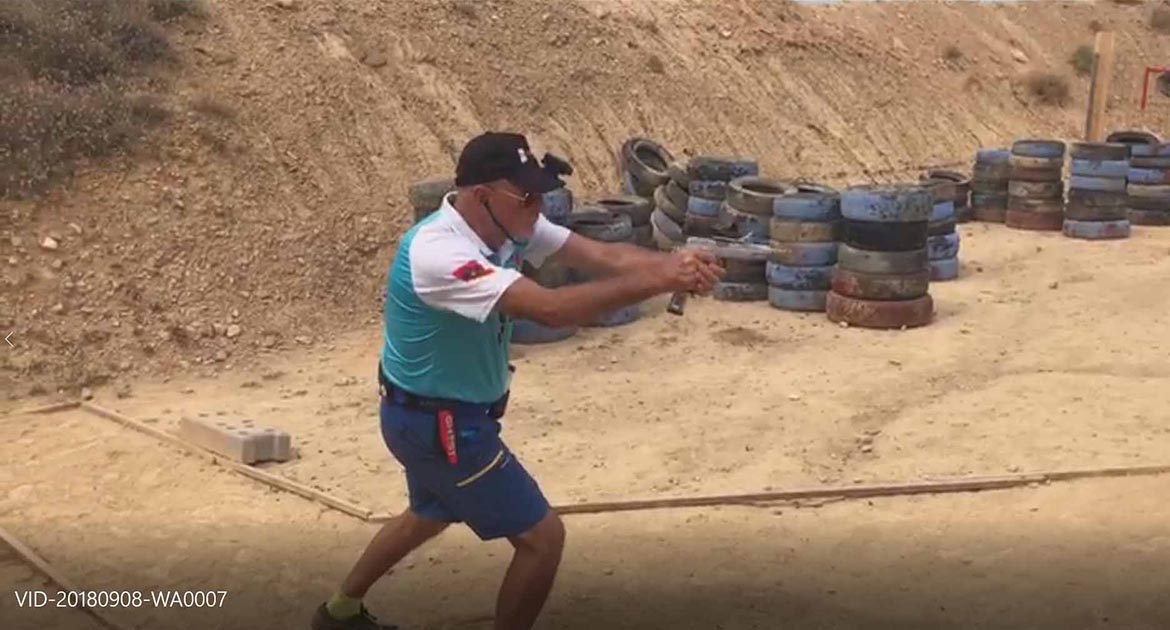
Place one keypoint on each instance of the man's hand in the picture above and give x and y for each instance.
(692, 270)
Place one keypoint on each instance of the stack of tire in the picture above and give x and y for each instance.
(1036, 189)
(427, 195)
(961, 197)
(989, 185)
(610, 227)
(1149, 184)
(805, 231)
(942, 240)
(643, 171)
(643, 166)
(744, 264)
(1096, 207)
(750, 206)
(638, 209)
(670, 207)
(882, 278)
(557, 207)
(708, 180)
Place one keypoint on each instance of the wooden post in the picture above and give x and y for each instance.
(1099, 88)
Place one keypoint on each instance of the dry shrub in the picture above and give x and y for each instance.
(1082, 60)
(1049, 88)
(69, 68)
(952, 53)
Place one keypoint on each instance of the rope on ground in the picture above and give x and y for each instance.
(43, 567)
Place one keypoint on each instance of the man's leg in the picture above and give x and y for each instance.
(391, 544)
(530, 576)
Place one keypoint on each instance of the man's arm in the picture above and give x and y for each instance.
(605, 259)
(580, 304)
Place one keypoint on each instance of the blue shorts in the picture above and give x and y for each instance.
(488, 488)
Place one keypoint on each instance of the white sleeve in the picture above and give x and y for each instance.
(460, 280)
(547, 238)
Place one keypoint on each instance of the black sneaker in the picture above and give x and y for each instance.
(322, 620)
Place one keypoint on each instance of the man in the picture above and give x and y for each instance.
(444, 372)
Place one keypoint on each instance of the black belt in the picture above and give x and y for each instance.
(396, 394)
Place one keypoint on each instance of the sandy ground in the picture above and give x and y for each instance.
(1047, 354)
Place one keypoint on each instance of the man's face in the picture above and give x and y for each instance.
(516, 209)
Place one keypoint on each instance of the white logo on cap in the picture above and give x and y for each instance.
(523, 156)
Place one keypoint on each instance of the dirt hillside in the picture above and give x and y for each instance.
(266, 216)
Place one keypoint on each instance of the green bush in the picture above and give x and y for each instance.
(1082, 60)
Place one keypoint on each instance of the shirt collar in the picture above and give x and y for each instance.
(461, 226)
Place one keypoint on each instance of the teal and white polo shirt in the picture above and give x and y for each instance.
(443, 336)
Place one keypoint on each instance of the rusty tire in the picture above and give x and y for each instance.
(1098, 151)
(1041, 206)
(990, 214)
(1036, 190)
(797, 231)
(1153, 218)
(1029, 174)
(867, 261)
(756, 195)
(880, 286)
(1036, 221)
(879, 314)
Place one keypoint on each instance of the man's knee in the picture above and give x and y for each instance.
(546, 538)
(420, 527)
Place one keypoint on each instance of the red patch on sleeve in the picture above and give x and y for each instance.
(471, 270)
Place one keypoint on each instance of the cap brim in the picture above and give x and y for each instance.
(535, 179)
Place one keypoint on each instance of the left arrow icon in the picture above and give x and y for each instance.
(6, 338)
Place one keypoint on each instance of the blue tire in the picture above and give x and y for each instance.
(707, 189)
(943, 246)
(804, 254)
(807, 206)
(1096, 230)
(942, 211)
(802, 301)
(889, 204)
(618, 317)
(1103, 184)
(703, 207)
(1099, 168)
(1149, 176)
(1038, 148)
(740, 291)
(792, 278)
(1150, 150)
(943, 270)
(557, 205)
(992, 156)
(526, 331)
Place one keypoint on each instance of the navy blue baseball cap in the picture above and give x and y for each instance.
(500, 155)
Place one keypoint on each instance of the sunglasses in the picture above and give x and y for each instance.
(526, 199)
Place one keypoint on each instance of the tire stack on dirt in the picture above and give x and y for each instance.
(1096, 208)
(644, 165)
(1149, 185)
(610, 227)
(638, 209)
(744, 263)
(670, 207)
(882, 278)
(1036, 189)
(989, 185)
(805, 232)
(942, 240)
(557, 206)
(708, 179)
(961, 196)
(749, 207)
(427, 195)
